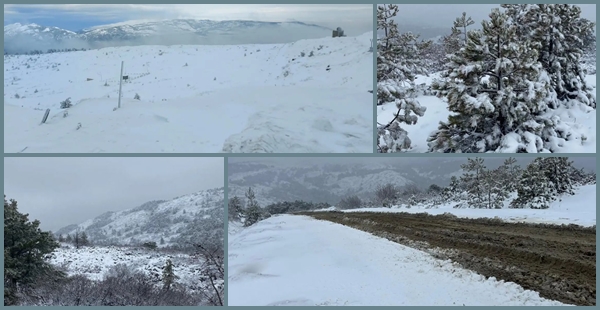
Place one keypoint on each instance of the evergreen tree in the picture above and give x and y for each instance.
(235, 209)
(162, 240)
(69, 239)
(557, 31)
(473, 180)
(398, 63)
(498, 94)
(60, 238)
(535, 190)
(452, 42)
(558, 171)
(495, 188)
(254, 213)
(77, 240)
(510, 172)
(169, 276)
(452, 191)
(460, 26)
(25, 246)
(84, 239)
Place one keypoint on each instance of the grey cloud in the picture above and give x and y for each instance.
(63, 191)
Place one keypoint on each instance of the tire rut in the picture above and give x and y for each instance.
(559, 262)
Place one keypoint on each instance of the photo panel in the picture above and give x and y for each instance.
(411, 231)
(486, 78)
(114, 231)
(188, 78)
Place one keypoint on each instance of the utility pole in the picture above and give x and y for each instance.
(120, 83)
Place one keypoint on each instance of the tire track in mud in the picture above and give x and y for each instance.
(559, 262)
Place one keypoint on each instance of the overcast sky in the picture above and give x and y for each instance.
(64, 191)
(354, 18)
(441, 16)
(588, 163)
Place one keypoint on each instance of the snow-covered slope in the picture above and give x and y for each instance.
(190, 218)
(298, 261)
(95, 262)
(577, 209)
(307, 96)
(22, 38)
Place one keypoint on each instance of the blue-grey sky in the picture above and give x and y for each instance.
(357, 18)
(432, 20)
(70, 190)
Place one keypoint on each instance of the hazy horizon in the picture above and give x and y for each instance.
(432, 20)
(64, 191)
(356, 19)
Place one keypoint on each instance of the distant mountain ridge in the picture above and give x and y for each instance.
(194, 218)
(20, 38)
(330, 182)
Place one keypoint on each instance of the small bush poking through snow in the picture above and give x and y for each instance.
(66, 104)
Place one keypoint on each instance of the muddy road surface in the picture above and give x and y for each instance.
(559, 262)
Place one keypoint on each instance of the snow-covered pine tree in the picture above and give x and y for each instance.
(452, 42)
(434, 56)
(498, 94)
(559, 171)
(557, 31)
(25, 246)
(460, 26)
(452, 191)
(235, 209)
(398, 63)
(253, 212)
(535, 190)
(509, 173)
(473, 180)
(84, 239)
(494, 188)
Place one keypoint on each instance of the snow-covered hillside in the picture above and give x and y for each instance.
(582, 120)
(24, 38)
(193, 218)
(577, 209)
(307, 96)
(95, 262)
(298, 261)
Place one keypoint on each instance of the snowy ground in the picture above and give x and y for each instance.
(578, 209)
(94, 262)
(582, 121)
(247, 98)
(298, 261)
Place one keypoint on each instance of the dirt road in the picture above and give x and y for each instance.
(559, 262)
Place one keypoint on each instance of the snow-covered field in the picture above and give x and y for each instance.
(577, 209)
(94, 262)
(298, 261)
(308, 96)
(581, 120)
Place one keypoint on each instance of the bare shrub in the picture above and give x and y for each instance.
(351, 202)
(386, 195)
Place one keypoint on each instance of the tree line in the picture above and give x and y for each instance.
(536, 186)
(251, 212)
